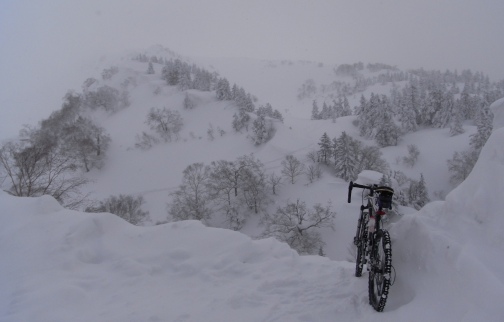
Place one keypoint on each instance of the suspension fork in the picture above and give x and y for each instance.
(358, 233)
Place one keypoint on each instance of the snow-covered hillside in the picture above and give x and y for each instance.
(62, 265)
(157, 172)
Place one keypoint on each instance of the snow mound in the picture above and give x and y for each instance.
(453, 248)
(61, 265)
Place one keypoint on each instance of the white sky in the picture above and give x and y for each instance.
(43, 44)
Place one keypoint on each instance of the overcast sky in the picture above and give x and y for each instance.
(44, 43)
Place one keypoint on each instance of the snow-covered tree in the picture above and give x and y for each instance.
(292, 167)
(262, 130)
(298, 226)
(346, 156)
(387, 132)
(85, 141)
(484, 129)
(165, 122)
(412, 157)
(274, 182)
(460, 165)
(241, 120)
(192, 199)
(126, 207)
(370, 158)
(456, 120)
(150, 68)
(325, 151)
(417, 193)
(34, 168)
(253, 183)
(315, 115)
(223, 90)
(188, 103)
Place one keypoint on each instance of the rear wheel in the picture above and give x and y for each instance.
(381, 267)
(360, 241)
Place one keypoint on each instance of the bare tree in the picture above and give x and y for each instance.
(36, 170)
(297, 226)
(370, 158)
(192, 199)
(292, 167)
(461, 165)
(145, 141)
(253, 182)
(412, 157)
(86, 141)
(274, 181)
(188, 103)
(166, 123)
(313, 172)
(125, 206)
(313, 156)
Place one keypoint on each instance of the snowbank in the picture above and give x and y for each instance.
(453, 250)
(61, 265)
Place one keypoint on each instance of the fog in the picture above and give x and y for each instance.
(45, 45)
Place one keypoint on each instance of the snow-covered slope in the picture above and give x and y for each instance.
(62, 265)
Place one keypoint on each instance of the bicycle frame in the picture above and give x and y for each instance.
(373, 242)
(375, 209)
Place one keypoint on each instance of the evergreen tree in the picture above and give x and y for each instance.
(315, 111)
(362, 106)
(325, 151)
(431, 114)
(325, 114)
(223, 91)
(387, 132)
(411, 100)
(460, 165)
(240, 120)
(456, 125)
(346, 154)
(262, 130)
(346, 110)
(150, 69)
(407, 117)
(188, 103)
(422, 194)
(484, 129)
(185, 81)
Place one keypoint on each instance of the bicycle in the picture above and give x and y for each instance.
(373, 242)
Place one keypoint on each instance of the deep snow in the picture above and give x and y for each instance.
(62, 265)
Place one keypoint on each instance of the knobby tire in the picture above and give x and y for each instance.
(380, 272)
(361, 245)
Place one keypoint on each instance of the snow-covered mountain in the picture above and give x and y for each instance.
(62, 265)
(65, 265)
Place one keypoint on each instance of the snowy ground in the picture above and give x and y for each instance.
(61, 265)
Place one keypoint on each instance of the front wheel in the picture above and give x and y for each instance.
(381, 267)
(360, 241)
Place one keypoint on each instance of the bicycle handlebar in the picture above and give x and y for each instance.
(356, 185)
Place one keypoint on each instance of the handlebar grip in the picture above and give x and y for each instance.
(350, 187)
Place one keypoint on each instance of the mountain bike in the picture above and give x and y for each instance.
(373, 241)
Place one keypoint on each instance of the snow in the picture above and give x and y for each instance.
(64, 265)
